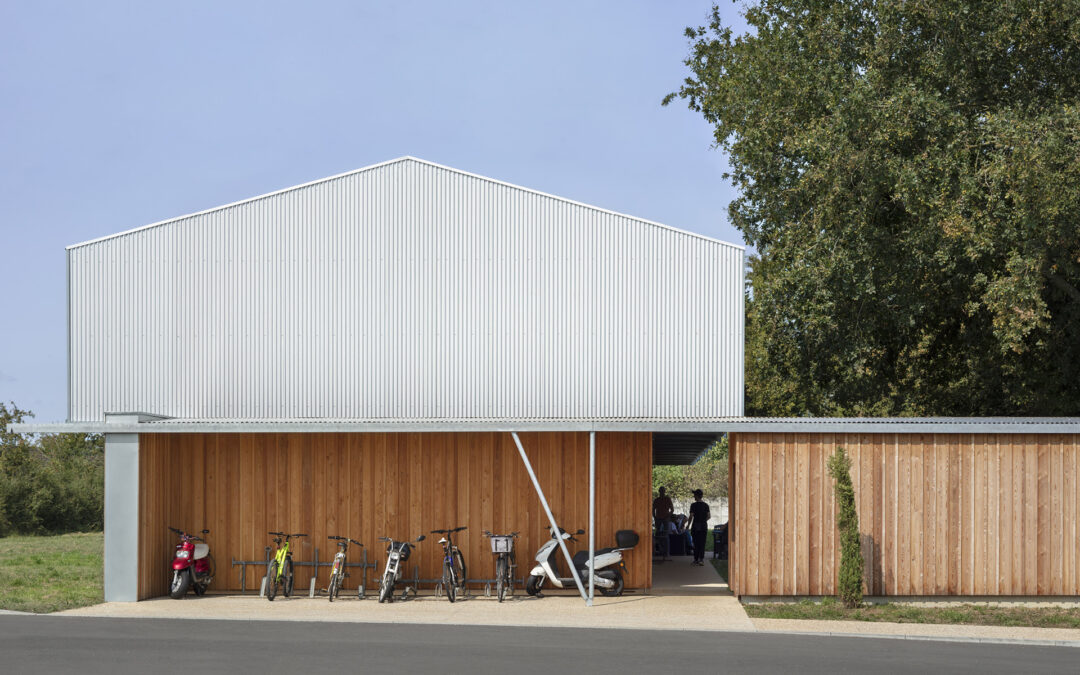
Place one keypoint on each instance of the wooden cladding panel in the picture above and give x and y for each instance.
(940, 514)
(240, 486)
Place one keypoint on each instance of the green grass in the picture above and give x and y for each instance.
(721, 567)
(47, 574)
(975, 615)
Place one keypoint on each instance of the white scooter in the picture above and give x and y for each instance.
(609, 565)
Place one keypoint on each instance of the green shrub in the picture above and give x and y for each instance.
(49, 484)
(849, 583)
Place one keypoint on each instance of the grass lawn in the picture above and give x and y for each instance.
(976, 615)
(46, 574)
(721, 567)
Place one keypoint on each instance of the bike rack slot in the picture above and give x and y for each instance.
(364, 566)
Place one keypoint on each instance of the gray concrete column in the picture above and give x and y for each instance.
(121, 517)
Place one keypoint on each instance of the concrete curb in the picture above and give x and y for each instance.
(930, 638)
(1075, 644)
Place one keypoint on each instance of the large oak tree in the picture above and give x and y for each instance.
(909, 176)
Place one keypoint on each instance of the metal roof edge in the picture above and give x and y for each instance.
(1015, 425)
(238, 202)
(592, 207)
(404, 158)
(899, 428)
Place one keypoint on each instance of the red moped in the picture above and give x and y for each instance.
(193, 566)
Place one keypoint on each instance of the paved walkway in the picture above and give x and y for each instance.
(683, 597)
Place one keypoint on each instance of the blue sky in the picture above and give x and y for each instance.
(116, 115)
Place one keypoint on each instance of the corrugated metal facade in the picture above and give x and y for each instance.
(406, 291)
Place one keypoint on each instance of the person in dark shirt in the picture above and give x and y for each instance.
(699, 524)
(662, 510)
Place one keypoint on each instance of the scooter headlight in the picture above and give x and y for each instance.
(183, 554)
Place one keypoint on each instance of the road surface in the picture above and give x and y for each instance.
(56, 644)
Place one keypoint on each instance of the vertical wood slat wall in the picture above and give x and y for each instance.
(940, 514)
(240, 486)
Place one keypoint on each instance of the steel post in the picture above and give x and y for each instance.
(592, 514)
(551, 518)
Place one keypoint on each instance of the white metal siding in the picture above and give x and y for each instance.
(407, 291)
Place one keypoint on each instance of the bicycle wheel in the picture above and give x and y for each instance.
(510, 567)
(501, 572)
(449, 582)
(271, 581)
(331, 590)
(287, 578)
(459, 571)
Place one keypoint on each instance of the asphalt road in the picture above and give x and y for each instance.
(54, 644)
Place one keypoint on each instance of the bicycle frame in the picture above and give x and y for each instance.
(280, 556)
(284, 551)
(339, 559)
(506, 580)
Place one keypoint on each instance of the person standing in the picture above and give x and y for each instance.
(662, 510)
(699, 526)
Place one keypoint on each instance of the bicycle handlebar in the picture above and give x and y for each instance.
(345, 539)
(489, 533)
(456, 529)
(287, 536)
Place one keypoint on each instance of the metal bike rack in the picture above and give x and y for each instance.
(244, 565)
(437, 584)
(364, 566)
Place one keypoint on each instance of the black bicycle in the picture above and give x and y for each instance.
(502, 545)
(454, 577)
(338, 572)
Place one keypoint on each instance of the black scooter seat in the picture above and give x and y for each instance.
(582, 557)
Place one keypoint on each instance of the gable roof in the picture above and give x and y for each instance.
(406, 158)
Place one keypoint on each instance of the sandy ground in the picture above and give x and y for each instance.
(683, 597)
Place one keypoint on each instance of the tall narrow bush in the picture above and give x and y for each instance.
(849, 583)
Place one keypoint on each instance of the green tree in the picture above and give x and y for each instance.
(909, 176)
(850, 576)
(51, 483)
(709, 473)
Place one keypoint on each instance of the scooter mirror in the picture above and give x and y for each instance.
(421, 537)
(206, 531)
(581, 531)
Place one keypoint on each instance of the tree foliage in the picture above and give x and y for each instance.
(709, 474)
(50, 484)
(909, 175)
(850, 575)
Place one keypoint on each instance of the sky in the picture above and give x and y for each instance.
(117, 115)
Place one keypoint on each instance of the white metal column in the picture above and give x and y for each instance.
(592, 513)
(551, 518)
(121, 517)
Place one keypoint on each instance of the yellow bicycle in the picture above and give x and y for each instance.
(280, 571)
